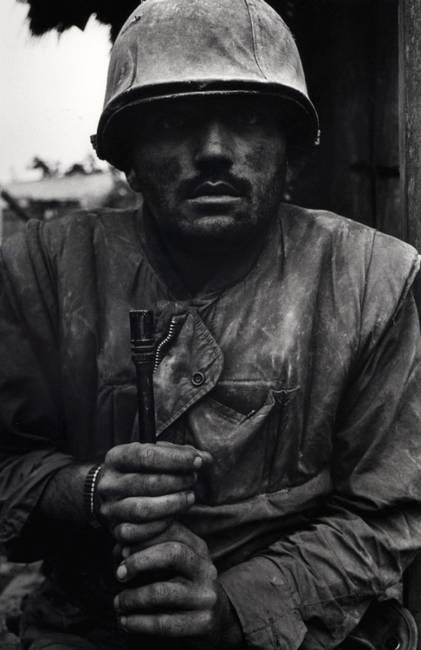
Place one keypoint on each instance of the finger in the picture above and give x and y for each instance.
(206, 456)
(117, 552)
(178, 558)
(137, 534)
(137, 510)
(173, 531)
(137, 457)
(165, 595)
(115, 485)
(193, 623)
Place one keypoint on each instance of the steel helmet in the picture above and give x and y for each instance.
(174, 48)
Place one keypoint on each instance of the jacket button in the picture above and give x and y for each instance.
(198, 378)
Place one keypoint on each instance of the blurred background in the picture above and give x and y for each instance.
(51, 92)
(52, 88)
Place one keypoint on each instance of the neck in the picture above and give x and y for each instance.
(205, 264)
(208, 263)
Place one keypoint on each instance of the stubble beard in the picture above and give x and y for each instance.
(246, 228)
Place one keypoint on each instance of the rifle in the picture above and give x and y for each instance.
(143, 354)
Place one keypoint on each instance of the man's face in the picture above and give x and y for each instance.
(210, 168)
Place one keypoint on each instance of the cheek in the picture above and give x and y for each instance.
(265, 162)
(154, 172)
(258, 157)
(157, 172)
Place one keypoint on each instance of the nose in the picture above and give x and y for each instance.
(214, 146)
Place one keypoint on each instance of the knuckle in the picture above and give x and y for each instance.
(105, 486)
(210, 598)
(156, 593)
(190, 452)
(137, 510)
(202, 547)
(132, 564)
(127, 532)
(104, 510)
(172, 503)
(112, 456)
(109, 457)
(208, 619)
(160, 626)
(212, 572)
(122, 601)
(124, 532)
(153, 484)
(142, 509)
(147, 454)
(118, 532)
(182, 500)
(175, 627)
(174, 552)
(152, 594)
(131, 599)
(136, 485)
(205, 621)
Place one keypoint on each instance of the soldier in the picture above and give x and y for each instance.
(283, 499)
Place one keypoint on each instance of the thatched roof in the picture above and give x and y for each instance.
(46, 15)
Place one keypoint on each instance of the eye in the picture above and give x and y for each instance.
(250, 117)
(171, 122)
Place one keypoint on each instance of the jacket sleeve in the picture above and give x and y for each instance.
(311, 588)
(31, 425)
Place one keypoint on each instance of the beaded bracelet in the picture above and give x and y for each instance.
(89, 495)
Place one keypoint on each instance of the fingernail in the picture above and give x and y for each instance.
(198, 462)
(125, 552)
(123, 622)
(121, 572)
(116, 603)
(191, 498)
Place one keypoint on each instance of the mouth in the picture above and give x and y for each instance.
(214, 190)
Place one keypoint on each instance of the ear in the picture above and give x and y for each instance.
(133, 181)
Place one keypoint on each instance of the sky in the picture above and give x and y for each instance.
(51, 92)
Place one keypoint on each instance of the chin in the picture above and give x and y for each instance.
(221, 229)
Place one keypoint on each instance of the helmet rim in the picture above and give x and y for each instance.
(138, 97)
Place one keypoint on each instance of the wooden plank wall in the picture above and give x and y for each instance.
(363, 65)
(350, 54)
(388, 207)
(410, 122)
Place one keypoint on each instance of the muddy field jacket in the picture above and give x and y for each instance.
(301, 377)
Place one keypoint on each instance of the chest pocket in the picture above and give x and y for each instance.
(253, 453)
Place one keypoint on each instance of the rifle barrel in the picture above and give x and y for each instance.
(143, 355)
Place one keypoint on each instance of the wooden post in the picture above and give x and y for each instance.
(410, 123)
(410, 171)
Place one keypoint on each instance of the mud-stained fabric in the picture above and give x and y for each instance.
(301, 376)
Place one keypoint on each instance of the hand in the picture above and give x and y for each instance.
(142, 487)
(188, 600)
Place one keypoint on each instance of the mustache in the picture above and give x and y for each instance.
(191, 186)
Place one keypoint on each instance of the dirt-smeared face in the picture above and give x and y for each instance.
(210, 167)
